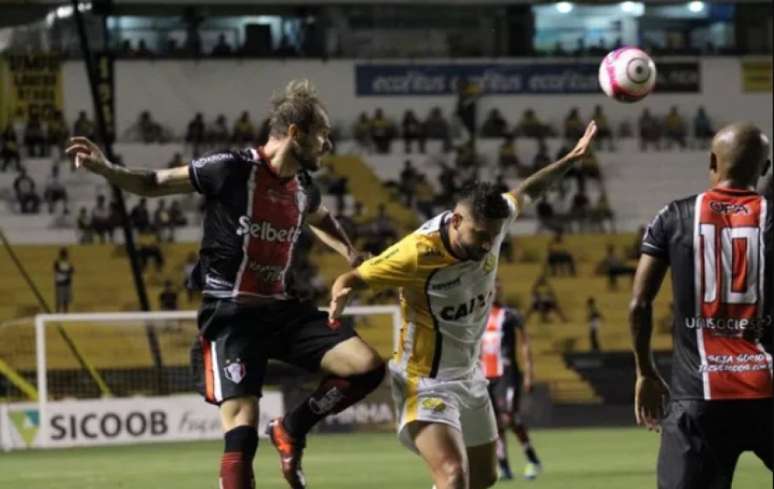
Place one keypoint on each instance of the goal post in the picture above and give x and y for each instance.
(70, 408)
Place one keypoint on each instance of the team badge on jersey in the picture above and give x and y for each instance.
(490, 262)
(235, 371)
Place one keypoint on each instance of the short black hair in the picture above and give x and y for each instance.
(484, 200)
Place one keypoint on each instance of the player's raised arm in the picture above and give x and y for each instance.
(329, 231)
(650, 391)
(148, 183)
(536, 184)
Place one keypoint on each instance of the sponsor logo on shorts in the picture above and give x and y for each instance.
(264, 231)
(235, 371)
(434, 404)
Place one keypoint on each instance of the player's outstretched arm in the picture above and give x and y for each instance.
(650, 391)
(329, 231)
(148, 183)
(536, 184)
(341, 292)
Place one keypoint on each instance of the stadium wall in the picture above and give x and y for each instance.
(174, 90)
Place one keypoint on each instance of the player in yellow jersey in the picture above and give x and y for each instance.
(446, 273)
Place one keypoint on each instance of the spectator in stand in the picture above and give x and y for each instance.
(604, 131)
(382, 132)
(500, 184)
(508, 159)
(425, 197)
(244, 129)
(24, 187)
(127, 50)
(222, 48)
(149, 130)
(579, 212)
(495, 125)
(702, 128)
(9, 149)
(650, 131)
(57, 133)
(573, 125)
(589, 168)
(530, 126)
(560, 260)
(339, 189)
(189, 281)
(54, 191)
(218, 134)
(448, 184)
(413, 130)
(63, 281)
(101, 220)
(148, 249)
(675, 130)
(196, 133)
(140, 217)
(177, 218)
(262, 137)
(437, 127)
(468, 94)
(408, 179)
(625, 130)
(361, 131)
(35, 137)
(541, 159)
(162, 222)
(547, 218)
(176, 161)
(83, 126)
(85, 229)
(168, 297)
(143, 50)
(382, 232)
(602, 213)
(613, 266)
(544, 301)
(594, 318)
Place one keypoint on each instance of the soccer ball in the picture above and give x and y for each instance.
(627, 74)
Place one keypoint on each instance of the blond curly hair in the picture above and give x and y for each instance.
(299, 104)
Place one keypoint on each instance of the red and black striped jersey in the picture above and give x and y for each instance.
(252, 222)
(720, 246)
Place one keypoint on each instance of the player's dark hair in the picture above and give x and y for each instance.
(298, 105)
(484, 200)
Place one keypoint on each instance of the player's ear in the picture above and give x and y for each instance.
(713, 167)
(294, 131)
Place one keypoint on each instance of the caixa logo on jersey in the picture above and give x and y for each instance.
(264, 231)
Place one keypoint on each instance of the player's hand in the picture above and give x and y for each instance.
(581, 149)
(650, 395)
(338, 303)
(87, 154)
(355, 257)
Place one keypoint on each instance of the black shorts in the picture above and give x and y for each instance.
(236, 341)
(702, 440)
(505, 393)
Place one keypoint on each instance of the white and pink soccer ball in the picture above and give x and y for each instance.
(627, 74)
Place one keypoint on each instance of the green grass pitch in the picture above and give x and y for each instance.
(573, 459)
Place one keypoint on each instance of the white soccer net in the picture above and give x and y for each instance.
(85, 358)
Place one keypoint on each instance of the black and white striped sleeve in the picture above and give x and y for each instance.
(655, 242)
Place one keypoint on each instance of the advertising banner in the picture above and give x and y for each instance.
(506, 78)
(118, 421)
(756, 76)
(32, 84)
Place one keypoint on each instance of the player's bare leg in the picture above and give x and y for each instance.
(355, 369)
(483, 465)
(443, 449)
(239, 418)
